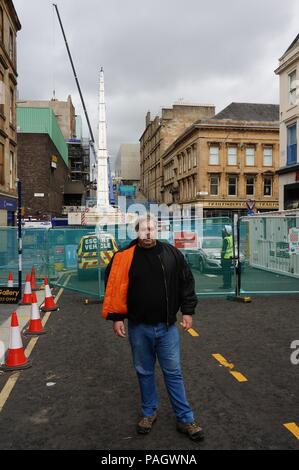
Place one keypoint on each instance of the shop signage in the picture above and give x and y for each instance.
(8, 204)
(240, 204)
(9, 295)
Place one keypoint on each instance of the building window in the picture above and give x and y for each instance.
(11, 106)
(191, 188)
(292, 144)
(232, 185)
(184, 161)
(214, 155)
(250, 151)
(189, 159)
(267, 186)
(2, 94)
(268, 153)
(250, 185)
(1, 24)
(195, 186)
(232, 156)
(1, 164)
(292, 87)
(214, 185)
(11, 170)
(11, 45)
(194, 156)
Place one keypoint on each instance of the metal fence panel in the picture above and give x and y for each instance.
(271, 246)
(57, 253)
(72, 260)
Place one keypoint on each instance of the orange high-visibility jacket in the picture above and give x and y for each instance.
(115, 298)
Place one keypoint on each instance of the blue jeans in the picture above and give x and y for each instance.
(149, 342)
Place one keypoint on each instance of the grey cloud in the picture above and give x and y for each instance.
(153, 53)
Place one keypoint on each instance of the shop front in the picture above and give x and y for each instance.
(8, 207)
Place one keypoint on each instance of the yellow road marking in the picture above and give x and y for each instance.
(293, 428)
(11, 382)
(238, 376)
(46, 318)
(31, 345)
(192, 332)
(223, 361)
(6, 390)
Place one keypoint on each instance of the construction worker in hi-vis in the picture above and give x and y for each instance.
(227, 257)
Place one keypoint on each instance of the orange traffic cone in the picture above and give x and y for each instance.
(34, 285)
(15, 356)
(27, 296)
(49, 304)
(10, 280)
(35, 325)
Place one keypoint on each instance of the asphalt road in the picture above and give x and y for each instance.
(82, 393)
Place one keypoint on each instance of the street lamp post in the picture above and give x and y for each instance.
(19, 189)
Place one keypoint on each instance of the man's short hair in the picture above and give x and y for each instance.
(148, 217)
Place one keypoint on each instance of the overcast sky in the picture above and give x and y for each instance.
(154, 53)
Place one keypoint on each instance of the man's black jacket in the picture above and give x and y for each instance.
(179, 282)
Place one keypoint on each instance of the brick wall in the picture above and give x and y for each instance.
(37, 176)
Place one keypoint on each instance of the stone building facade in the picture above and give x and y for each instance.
(223, 162)
(9, 26)
(288, 172)
(158, 135)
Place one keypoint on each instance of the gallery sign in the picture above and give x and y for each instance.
(9, 295)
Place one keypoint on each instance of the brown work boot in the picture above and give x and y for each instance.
(145, 424)
(193, 430)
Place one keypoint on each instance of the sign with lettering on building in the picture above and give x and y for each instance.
(54, 161)
(8, 204)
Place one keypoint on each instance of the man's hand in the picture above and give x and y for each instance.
(119, 328)
(187, 322)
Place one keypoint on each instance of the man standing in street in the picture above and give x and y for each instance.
(226, 257)
(147, 283)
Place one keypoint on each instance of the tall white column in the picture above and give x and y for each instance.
(102, 181)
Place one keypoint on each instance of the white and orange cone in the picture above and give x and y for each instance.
(34, 285)
(27, 296)
(49, 304)
(15, 356)
(10, 280)
(35, 326)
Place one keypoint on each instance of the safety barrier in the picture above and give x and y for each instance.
(265, 250)
(270, 248)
